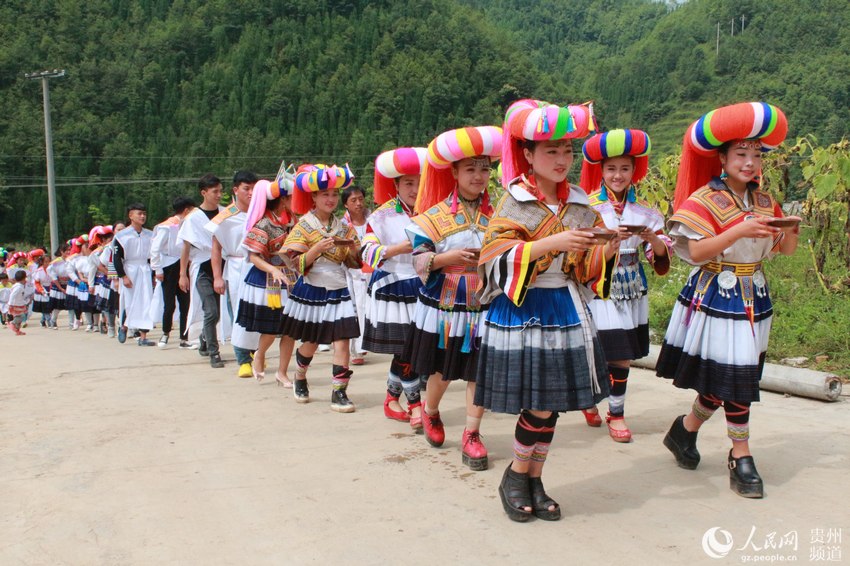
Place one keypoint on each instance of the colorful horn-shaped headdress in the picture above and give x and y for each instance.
(758, 121)
(394, 164)
(437, 181)
(616, 143)
(314, 178)
(535, 120)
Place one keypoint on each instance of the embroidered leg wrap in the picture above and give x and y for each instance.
(528, 429)
(303, 364)
(705, 405)
(341, 377)
(544, 439)
(394, 384)
(737, 420)
(617, 399)
(410, 382)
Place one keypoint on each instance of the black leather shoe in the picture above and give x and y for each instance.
(744, 479)
(540, 502)
(515, 493)
(340, 402)
(683, 444)
(301, 391)
(215, 361)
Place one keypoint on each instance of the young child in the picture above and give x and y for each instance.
(18, 302)
(5, 289)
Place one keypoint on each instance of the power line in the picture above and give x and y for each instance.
(124, 182)
(278, 157)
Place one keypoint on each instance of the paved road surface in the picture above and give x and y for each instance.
(115, 454)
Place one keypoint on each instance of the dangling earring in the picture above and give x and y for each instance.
(724, 175)
(631, 196)
(603, 194)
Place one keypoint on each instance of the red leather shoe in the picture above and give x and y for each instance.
(393, 414)
(435, 434)
(415, 422)
(618, 435)
(592, 419)
(474, 451)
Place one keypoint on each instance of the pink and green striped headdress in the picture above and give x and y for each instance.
(536, 120)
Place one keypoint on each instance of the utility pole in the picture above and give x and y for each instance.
(743, 17)
(717, 48)
(48, 142)
(733, 27)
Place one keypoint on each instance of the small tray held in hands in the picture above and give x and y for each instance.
(474, 251)
(634, 228)
(783, 222)
(600, 235)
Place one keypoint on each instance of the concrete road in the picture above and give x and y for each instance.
(114, 454)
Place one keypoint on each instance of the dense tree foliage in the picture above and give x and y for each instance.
(165, 90)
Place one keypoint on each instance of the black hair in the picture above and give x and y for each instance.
(531, 144)
(136, 206)
(4, 275)
(63, 247)
(208, 181)
(20, 275)
(347, 192)
(248, 177)
(274, 203)
(180, 204)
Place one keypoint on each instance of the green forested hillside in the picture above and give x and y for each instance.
(159, 90)
(655, 65)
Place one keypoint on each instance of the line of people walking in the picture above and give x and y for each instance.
(536, 300)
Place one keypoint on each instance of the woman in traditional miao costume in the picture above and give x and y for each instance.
(320, 309)
(60, 280)
(85, 286)
(394, 285)
(76, 288)
(89, 271)
(723, 224)
(41, 284)
(540, 353)
(454, 209)
(614, 164)
(100, 239)
(264, 293)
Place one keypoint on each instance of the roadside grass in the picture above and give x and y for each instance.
(807, 321)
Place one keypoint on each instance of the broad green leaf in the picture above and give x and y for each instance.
(825, 185)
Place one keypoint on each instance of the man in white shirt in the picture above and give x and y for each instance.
(165, 262)
(132, 253)
(197, 249)
(230, 265)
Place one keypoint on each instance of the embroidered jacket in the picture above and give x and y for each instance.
(521, 219)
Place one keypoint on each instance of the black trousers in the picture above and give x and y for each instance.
(172, 297)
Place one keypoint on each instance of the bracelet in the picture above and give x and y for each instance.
(429, 265)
